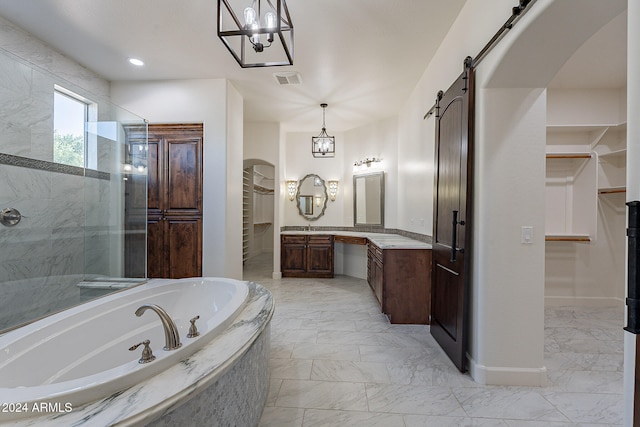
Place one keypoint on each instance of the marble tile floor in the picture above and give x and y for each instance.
(336, 361)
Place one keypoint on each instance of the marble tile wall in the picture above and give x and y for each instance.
(68, 218)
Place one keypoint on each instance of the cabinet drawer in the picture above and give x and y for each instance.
(375, 252)
(315, 239)
(293, 239)
(352, 240)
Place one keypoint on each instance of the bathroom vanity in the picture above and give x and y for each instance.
(398, 268)
(306, 255)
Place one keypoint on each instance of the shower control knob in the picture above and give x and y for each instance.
(193, 330)
(10, 217)
(147, 353)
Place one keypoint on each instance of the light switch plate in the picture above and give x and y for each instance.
(527, 235)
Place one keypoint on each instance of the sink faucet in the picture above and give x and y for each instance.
(309, 227)
(171, 335)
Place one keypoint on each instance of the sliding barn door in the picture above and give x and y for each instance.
(452, 218)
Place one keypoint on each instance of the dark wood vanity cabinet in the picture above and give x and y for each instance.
(401, 281)
(306, 255)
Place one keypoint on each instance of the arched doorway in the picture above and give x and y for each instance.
(258, 214)
(509, 272)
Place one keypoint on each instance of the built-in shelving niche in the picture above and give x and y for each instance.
(258, 212)
(583, 163)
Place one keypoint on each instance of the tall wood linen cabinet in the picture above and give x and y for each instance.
(174, 212)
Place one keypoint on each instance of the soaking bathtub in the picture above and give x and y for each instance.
(78, 363)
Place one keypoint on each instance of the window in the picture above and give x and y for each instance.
(69, 137)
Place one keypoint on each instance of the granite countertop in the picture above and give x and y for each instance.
(382, 240)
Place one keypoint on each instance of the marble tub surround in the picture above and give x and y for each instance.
(164, 394)
(336, 361)
(382, 240)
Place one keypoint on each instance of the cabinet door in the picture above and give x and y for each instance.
(320, 256)
(183, 175)
(154, 176)
(183, 247)
(370, 267)
(377, 280)
(293, 259)
(156, 259)
(320, 259)
(174, 201)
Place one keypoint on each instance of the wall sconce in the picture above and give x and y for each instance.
(318, 200)
(367, 161)
(291, 189)
(333, 190)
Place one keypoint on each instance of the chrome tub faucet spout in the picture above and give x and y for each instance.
(171, 335)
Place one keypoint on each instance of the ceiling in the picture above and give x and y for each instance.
(362, 57)
(600, 63)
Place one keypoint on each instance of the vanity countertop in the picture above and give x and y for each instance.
(382, 240)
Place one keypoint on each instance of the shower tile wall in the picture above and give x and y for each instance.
(44, 256)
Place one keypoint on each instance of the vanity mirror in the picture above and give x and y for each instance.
(311, 197)
(368, 199)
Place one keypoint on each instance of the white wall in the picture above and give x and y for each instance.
(476, 24)
(508, 276)
(633, 181)
(570, 107)
(377, 139)
(233, 199)
(262, 141)
(298, 163)
(218, 105)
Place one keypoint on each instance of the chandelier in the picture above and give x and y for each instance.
(323, 145)
(258, 33)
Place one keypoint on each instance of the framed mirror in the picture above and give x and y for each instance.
(311, 197)
(368, 199)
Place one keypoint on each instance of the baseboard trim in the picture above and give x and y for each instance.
(559, 301)
(492, 375)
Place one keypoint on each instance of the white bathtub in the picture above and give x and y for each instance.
(82, 354)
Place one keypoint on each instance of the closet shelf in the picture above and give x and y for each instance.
(612, 190)
(568, 155)
(615, 153)
(262, 190)
(567, 238)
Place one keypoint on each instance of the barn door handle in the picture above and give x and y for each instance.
(454, 236)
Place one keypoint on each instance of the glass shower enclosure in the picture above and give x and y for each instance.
(68, 232)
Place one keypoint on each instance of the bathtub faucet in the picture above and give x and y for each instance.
(171, 335)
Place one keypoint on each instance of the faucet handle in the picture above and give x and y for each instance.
(147, 353)
(193, 330)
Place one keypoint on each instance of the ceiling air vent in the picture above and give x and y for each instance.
(289, 78)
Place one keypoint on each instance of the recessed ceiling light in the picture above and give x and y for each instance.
(137, 62)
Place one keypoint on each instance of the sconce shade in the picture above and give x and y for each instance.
(257, 33)
(333, 190)
(323, 145)
(291, 189)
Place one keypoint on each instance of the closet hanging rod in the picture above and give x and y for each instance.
(517, 12)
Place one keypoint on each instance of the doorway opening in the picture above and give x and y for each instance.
(258, 215)
(585, 211)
